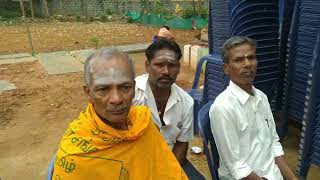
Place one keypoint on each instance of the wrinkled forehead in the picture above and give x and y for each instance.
(242, 50)
(111, 72)
(166, 55)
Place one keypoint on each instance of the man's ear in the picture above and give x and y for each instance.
(86, 90)
(147, 65)
(134, 88)
(226, 68)
(179, 67)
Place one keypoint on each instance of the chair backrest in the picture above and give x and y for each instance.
(209, 145)
(215, 81)
(51, 167)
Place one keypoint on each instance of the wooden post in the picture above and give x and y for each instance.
(22, 9)
(194, 7)
(31, 9)
(30, 38)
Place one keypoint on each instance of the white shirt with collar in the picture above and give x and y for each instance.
(178, 114)
(245, 134)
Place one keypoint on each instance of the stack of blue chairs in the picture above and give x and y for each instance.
(304, 29)
(288, 60)
(289, 69)
(285, 17)
(310, 136)
(219, 26)
(259, 20)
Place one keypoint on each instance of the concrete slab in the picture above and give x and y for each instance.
(64, 62)
(134, 48)
(59, 62)
(18, 60)
(81, 55)
(6, 86)
(15, 56)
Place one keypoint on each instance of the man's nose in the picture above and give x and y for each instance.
(115, 96)
(247, 62)
(165, 70)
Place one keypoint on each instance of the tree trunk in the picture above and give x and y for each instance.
(31, 9)
(45, 9)
(84, 8)
(194, 7)
(60, 6)
(22, 10)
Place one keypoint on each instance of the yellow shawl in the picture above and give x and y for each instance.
(90, 149)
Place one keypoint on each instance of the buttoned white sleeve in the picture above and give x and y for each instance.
(276, 145)
(186, 133)
(224, 129)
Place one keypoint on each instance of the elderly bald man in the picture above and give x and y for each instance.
(112, 139)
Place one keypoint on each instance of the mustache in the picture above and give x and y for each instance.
(246, 72)
(166, 78)
(118, 108)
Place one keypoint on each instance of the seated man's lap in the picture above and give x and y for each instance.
(191, 171)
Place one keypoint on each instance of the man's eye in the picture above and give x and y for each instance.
(160, 65)
(102, 89)
(251, 57)
(126, 87)
(173, 65)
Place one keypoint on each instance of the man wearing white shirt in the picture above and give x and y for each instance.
(242, 122)
(171, 106)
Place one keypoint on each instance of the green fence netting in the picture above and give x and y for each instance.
(134, 16)
(152, 19)
(175, 22)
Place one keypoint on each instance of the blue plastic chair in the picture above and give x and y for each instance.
(196, 93)
(209, 145)
(50, 168)
(215, 80)
(213, 75)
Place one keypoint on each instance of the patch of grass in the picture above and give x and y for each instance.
(9, 17)
(103, 18)
(188, 12)
(78, 18)
(10, 21)
(129, 20)
(9, 14)
(204, 12)
(109, 11)
(95, 41)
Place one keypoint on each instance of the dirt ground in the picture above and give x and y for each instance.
(34, 117)
(55, 36)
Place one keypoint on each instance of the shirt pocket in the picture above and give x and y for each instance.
(264, 128)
